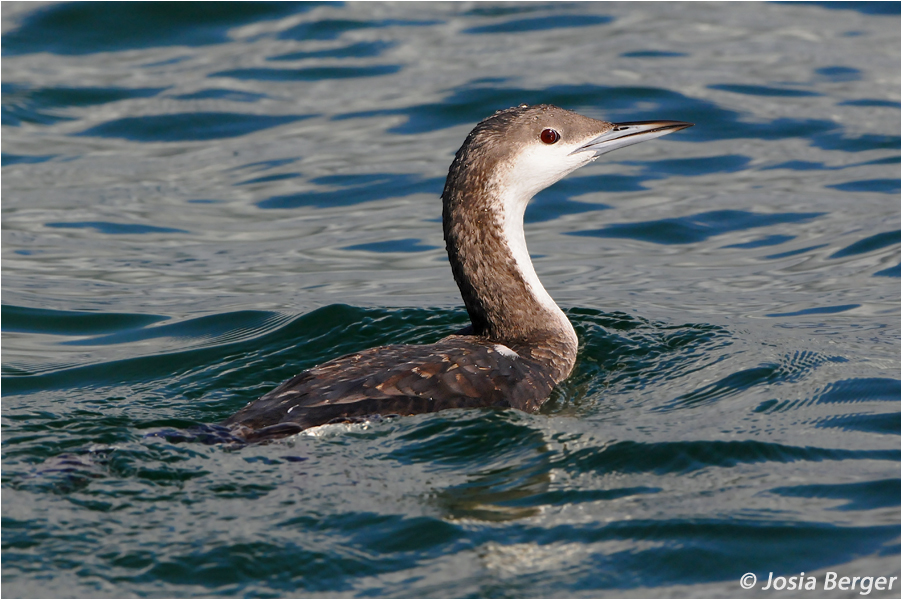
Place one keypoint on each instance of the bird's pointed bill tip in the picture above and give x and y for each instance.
(628, 133)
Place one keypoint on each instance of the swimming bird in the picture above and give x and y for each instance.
(519, 344)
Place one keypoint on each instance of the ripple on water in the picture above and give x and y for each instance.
(192, 126)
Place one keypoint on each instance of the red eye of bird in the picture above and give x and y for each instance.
(549, 136)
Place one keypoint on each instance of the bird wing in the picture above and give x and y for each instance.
(456, 372)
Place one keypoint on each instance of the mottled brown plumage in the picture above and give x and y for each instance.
(520, 344)
(456, 372)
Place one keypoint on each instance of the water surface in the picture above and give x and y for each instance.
(200, 200)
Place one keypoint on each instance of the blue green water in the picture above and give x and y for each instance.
(201, 200)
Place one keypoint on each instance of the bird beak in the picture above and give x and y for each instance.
(627, 134)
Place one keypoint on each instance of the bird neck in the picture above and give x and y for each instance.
(483, 224)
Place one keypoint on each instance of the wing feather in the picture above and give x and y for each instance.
(458, 371)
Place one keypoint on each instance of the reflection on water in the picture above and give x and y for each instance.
(200, 200)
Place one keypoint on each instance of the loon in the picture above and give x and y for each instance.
(519, 344)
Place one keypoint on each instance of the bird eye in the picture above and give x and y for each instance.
(549, 136)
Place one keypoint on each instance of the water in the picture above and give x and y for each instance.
(201, 200)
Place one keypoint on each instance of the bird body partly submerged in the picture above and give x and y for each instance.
(520, 343)
(459, 371)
